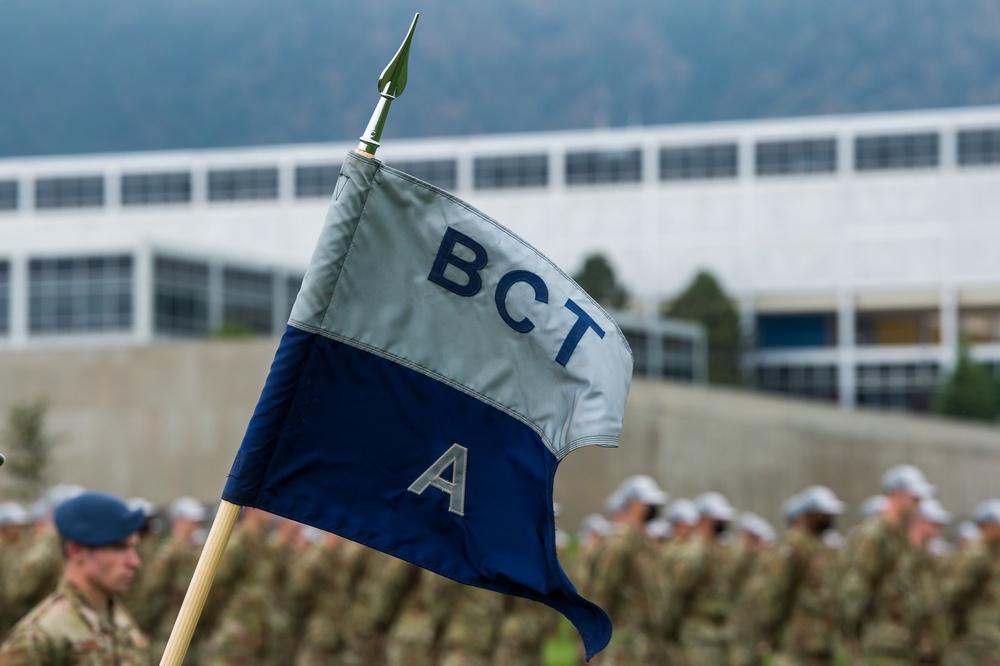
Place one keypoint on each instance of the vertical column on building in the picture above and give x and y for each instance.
(748, 329)
(142, 298)
(215, 296)
(279, 300)
(846, 347)
(464, 176)
(199, 184)
(19, 295)
(286, 181)
(26, 193)
(948, 352)
(112, 190)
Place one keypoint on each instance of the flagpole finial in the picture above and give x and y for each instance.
(390, 86)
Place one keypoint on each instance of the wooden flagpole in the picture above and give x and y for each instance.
(390, 85)
(197, 592)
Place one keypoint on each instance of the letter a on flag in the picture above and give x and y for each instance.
(434, 371)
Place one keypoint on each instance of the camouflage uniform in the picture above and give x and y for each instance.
(65, 629)
(791, 604)
(526, 624)
(623, 584)
(876, 592)
(973, 598)
(414, 639)
(928, 608)
(34, 575)
(161, 590)
(323, 638)
(699, 597)
(375, 608)
(470, 636)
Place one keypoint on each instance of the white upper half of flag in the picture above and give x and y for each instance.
(411, 273)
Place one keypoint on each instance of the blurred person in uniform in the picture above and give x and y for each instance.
(623, 578)
(525, 626)
(415, 638)
(682, 515)
(659, 531)
(83, 622)
(471, 633)
(323, 638)
(754, 535)
(36, 572)
(790, 605)
(149, 543)
(13, 523)
(593, 529)
(928, 610)
(967, 533)
(699, 596)
(161, 589)
(875, 590)
(972, 594)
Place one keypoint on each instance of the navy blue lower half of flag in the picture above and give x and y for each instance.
(341, 435)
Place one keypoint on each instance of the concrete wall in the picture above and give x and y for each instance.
(166, 420)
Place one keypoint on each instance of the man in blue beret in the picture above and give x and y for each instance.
(83, 622)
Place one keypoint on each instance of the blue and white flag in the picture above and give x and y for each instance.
(434, 371)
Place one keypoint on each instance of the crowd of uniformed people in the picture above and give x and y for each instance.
(86, 578)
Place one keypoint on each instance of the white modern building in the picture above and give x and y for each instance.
(861, 249)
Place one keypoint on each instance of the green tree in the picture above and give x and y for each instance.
(29, 447)
(597, 278)
(704, 301)
(968, 392)
(232, 329)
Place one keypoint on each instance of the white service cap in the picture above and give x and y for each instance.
(714, 505)
(187, 508)
(640, 487)
(908, 479)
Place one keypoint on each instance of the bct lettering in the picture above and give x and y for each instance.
(446, 255)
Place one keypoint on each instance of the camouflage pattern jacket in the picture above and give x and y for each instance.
(64, 629)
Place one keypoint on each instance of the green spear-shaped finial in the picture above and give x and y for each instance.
(390, 86)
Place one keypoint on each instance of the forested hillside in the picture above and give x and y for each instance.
(104, 75)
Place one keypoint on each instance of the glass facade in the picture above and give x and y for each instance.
(511, 172)
(790, 331)
(77, 192)
(80, 294)
(441, 173)
(316, 181)
(979, 147)
(897, 386)
(180, 297)
(813, 381)
(699, 162)
(898, 327)
(4, 297)
(900, 151)
(143, 189)
(592, 167)
(8, 195)
(248, 299)
(784, 158)
(242, 184)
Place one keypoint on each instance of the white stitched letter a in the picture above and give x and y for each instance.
(458, 456)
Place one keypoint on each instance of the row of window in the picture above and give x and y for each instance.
(711, 161)
(976, 325)
(95, 294)
(905, 386)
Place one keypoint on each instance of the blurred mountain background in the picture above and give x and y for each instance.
(120, 75)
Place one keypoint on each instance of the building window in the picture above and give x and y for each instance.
(247, 300)
(810, 381)
(782, 158)
(316, 181)
(619, 166)
(180, 297)
(698, 162)
(659, 354)
(140, 189)
(678, 355)
(511, 172)
(442, 173)
(979, 147)
(8, 195)
(902, 327)
(242, 184)
(901, 151)
(790, 331)
(4, 297)
(979, 325)
(903, 387)
(80, 294)
(80, 192)
(292, 287)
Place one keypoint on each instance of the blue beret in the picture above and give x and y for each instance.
(97, 519)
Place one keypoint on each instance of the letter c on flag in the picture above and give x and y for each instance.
(500, 296)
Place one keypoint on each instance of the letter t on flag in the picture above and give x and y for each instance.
(434, 371)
